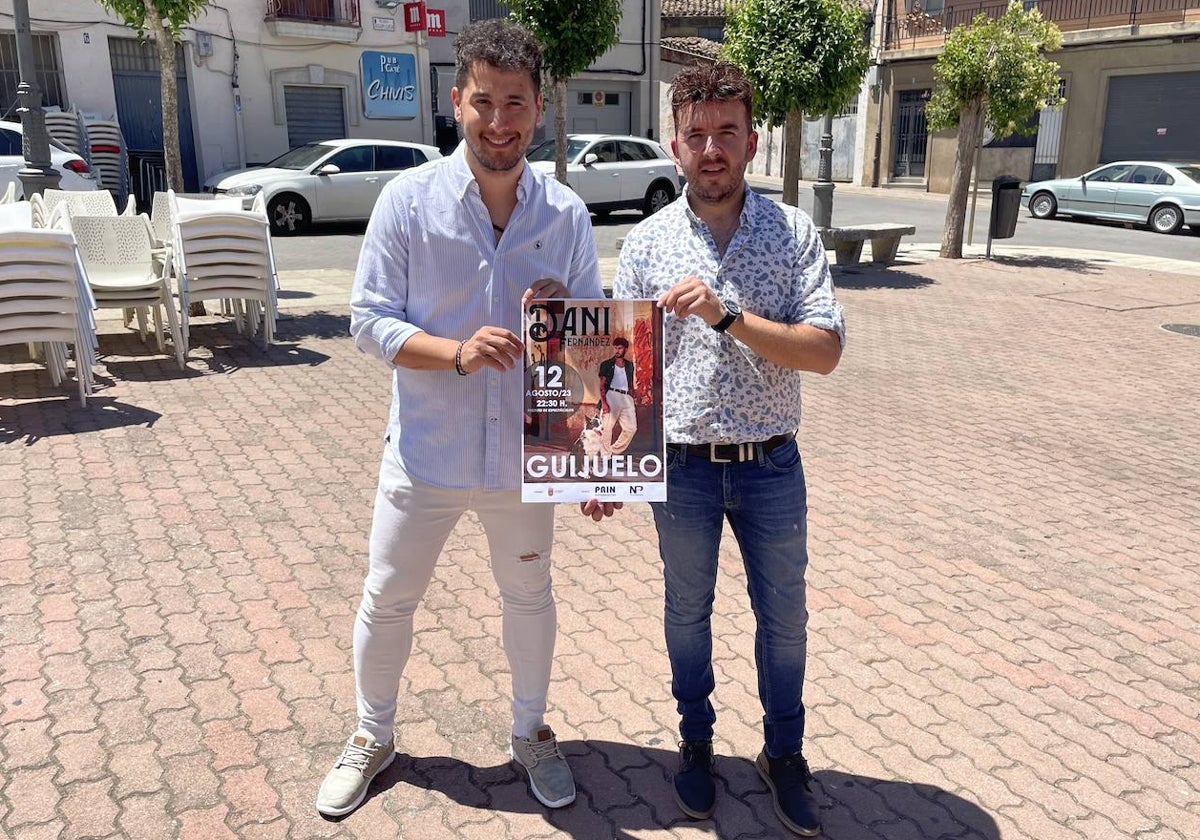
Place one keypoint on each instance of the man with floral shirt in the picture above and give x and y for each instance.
(749, 305)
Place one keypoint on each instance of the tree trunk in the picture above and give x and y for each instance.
(170, 95)
(970, 130)
(793, 126)
(560, 130)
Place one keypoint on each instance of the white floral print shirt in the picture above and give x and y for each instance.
(716, 389)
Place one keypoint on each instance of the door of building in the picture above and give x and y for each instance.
(912, 134)
(314, 114)
(1154, 116)
(136, 74)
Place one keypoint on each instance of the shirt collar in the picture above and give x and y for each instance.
(749, 206)
(461, 176)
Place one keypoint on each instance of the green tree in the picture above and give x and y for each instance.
(993, 72)
(574, 33)
(803, 57)
(163, 20)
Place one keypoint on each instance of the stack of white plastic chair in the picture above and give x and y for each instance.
(67, 128)
(44, 304)
(88, 202)
(224, 252)
(118, 259)
(109, 156)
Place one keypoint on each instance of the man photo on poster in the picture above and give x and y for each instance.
(617, 406)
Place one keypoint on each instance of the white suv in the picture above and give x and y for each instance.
(330, 181)
(614, 172)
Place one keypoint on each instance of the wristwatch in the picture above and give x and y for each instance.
(732, 313)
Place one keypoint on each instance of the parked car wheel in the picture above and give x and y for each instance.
(658, 196)
(1043, 206)
(1166, 218)
(289, 214)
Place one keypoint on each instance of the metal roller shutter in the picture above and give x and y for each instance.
(313, 114)
(1152, 117)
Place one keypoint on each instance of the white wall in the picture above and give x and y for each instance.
(266, 61)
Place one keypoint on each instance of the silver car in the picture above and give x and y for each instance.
(1165, 196)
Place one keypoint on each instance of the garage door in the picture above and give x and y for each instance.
(313, 114)
(1152, 117)
(592, 110)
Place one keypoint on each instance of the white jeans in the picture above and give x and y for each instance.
(411, 524)
(620, 408)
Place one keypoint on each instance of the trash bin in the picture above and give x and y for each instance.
(1006, 202)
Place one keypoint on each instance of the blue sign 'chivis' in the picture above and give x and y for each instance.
(389, 85)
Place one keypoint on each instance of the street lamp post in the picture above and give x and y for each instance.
(823, 188)
(37, 174)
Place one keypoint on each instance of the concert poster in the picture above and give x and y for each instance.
(593, 401)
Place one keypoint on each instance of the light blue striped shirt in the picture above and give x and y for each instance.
(430, 263)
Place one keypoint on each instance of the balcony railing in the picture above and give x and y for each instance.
(335, 12)
(919, 28)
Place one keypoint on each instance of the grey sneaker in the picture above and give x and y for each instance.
(345, 786)
(549, 776)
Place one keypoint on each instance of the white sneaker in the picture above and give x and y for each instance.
(550, 777)
(345, 786)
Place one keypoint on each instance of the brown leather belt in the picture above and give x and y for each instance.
(732, 453)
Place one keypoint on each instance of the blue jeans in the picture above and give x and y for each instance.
(765, 503)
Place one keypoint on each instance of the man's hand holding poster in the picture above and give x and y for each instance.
(593, 401)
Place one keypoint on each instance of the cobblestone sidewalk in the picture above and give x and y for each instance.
(1004, 481)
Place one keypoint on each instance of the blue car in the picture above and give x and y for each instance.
(1165, 196)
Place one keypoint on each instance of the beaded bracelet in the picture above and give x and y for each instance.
(458, 359)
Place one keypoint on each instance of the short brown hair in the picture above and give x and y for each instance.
(720, 82)
(620, 341)
(503, 44)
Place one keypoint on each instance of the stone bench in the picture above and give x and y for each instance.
(848, 242)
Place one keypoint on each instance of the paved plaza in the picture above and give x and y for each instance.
(1004, 487)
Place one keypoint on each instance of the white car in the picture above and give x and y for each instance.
(614, 172)
(73, 171)
(330, 181)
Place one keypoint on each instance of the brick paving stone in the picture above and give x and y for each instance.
(1005, 598)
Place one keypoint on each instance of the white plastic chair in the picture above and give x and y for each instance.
(17, 214)
(182, 204)
(10, 194)
(118, 256)
(88, 202)
(225, 253)
(41, 304)
(160, 219)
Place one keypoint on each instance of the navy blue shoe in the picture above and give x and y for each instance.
(695, 788)
(791, 789)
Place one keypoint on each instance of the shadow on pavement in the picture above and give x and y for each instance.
(1075, 266)
(625, 791)
(332, 229)
(33, 421)
(866, 276)
(214, 348)
(617, 217)
(317, 324)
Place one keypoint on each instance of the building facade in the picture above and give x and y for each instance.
(693, 31)
(1130, 73)
(258, 77)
